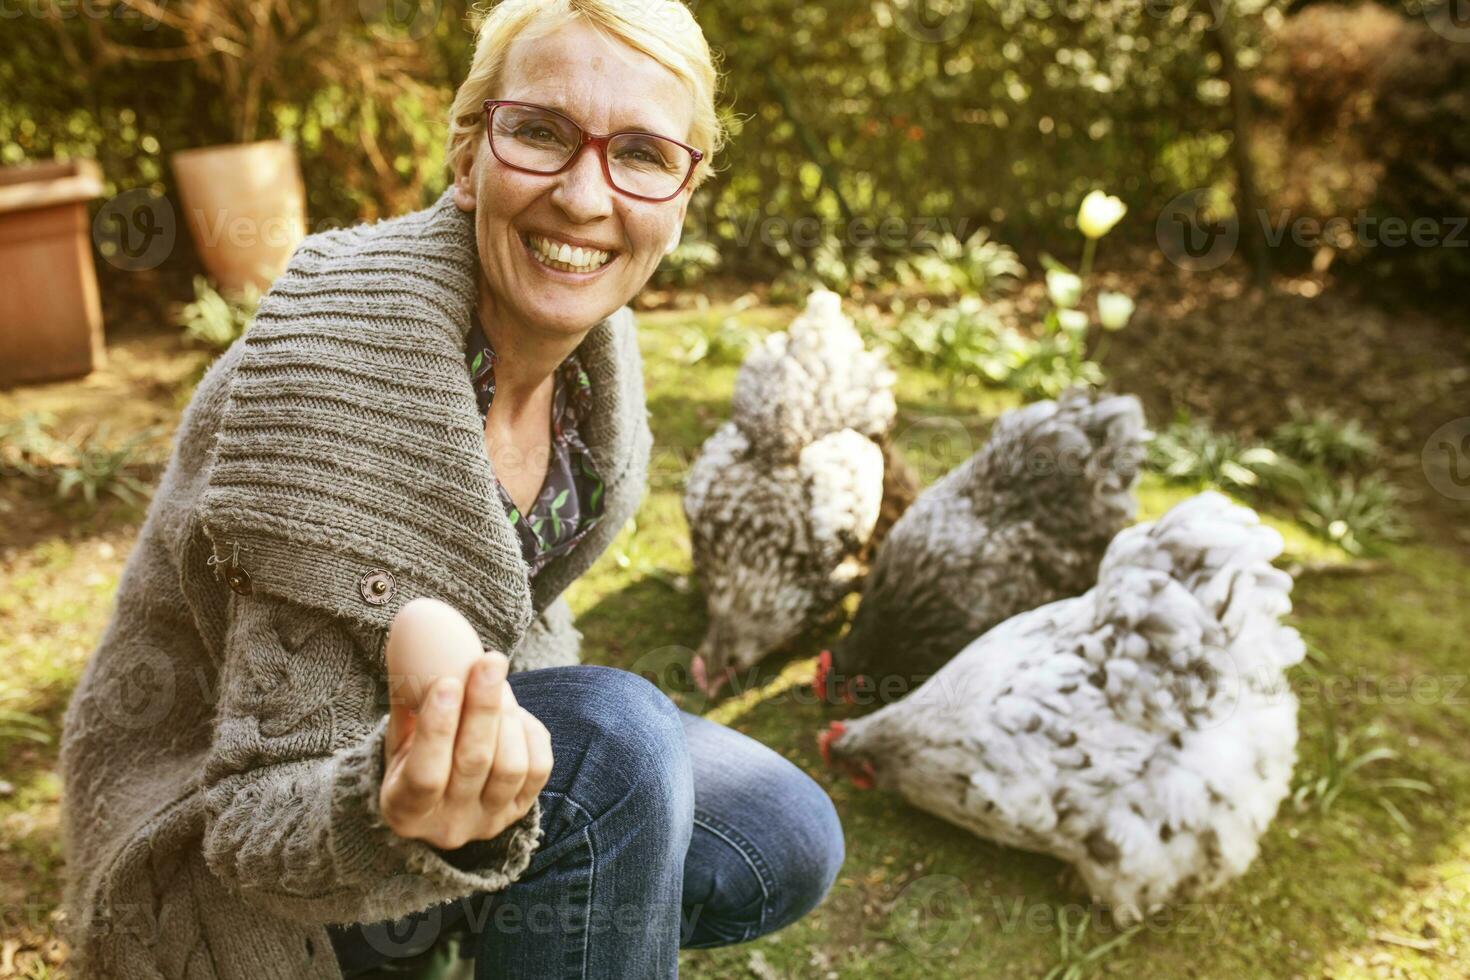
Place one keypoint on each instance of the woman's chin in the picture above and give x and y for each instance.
(567, 313)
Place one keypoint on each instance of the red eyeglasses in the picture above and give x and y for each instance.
(538, 140)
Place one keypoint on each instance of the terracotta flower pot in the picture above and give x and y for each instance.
(245, 205)
(50, 313)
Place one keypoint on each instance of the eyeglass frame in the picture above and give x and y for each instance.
(600, 141)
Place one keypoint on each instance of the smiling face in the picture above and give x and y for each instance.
(605, 86)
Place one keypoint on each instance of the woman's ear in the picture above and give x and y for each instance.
(465, 187)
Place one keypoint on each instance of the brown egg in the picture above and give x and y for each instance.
(428, 639)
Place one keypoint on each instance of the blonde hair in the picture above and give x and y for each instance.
(664, 30)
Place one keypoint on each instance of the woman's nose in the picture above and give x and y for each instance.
(581, 190)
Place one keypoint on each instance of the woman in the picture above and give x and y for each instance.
(435, 405)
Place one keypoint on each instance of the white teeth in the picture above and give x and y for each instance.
(581, 259)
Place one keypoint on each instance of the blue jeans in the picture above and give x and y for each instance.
(663, 830)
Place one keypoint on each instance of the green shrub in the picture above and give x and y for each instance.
(1322, 439)
(90, 463)
(688, 264)
(1358, 513)
(214, 320)
(1191, 452)
(1319, 474)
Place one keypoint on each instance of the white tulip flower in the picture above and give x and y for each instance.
(1099, 213)
(1114, 310)
(1064, 288)
(1072, 320)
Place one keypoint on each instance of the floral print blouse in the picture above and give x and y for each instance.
(570, 502)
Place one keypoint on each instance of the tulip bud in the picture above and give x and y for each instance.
(1114, 309)
(1099, 213)
(1072, 321)
(1064, 288)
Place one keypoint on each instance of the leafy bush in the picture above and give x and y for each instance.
(17, 725)
(1322, 439)
(1344, 766)
(688, 264)
(725, 345)
(1356, 513)
(1318, 473)
(830, 265)
(90, 463)
(978, 266)
(965, 338)
(214, 320)
(1191, 452)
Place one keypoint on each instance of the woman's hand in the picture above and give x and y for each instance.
(465, 761)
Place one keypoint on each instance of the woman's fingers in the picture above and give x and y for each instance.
(539, 760)
(508, 772)
(421, 779)
(479, 729)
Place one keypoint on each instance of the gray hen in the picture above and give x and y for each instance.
(1144, 731)
(1022, 522)
(785, 495)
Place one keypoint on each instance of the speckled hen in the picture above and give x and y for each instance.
(785, 495)
(1022, 522)
(1143, 732)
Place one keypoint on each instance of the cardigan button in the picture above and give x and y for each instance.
(239, 580)
(376, 586)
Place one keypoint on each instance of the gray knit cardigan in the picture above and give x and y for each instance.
(222, 753)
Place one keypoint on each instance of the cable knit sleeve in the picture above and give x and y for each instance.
(293, 775)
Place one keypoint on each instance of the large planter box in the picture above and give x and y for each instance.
(50, 311)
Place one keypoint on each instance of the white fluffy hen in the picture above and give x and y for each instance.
(785, 495)
(1143, 731)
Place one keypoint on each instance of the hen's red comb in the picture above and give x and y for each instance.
(824, 741)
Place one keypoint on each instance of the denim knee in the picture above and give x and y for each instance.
(771, 872)
(635, 750)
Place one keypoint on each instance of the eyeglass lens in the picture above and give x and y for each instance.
(542, 140)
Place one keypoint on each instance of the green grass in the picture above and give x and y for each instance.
(1341, 890)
